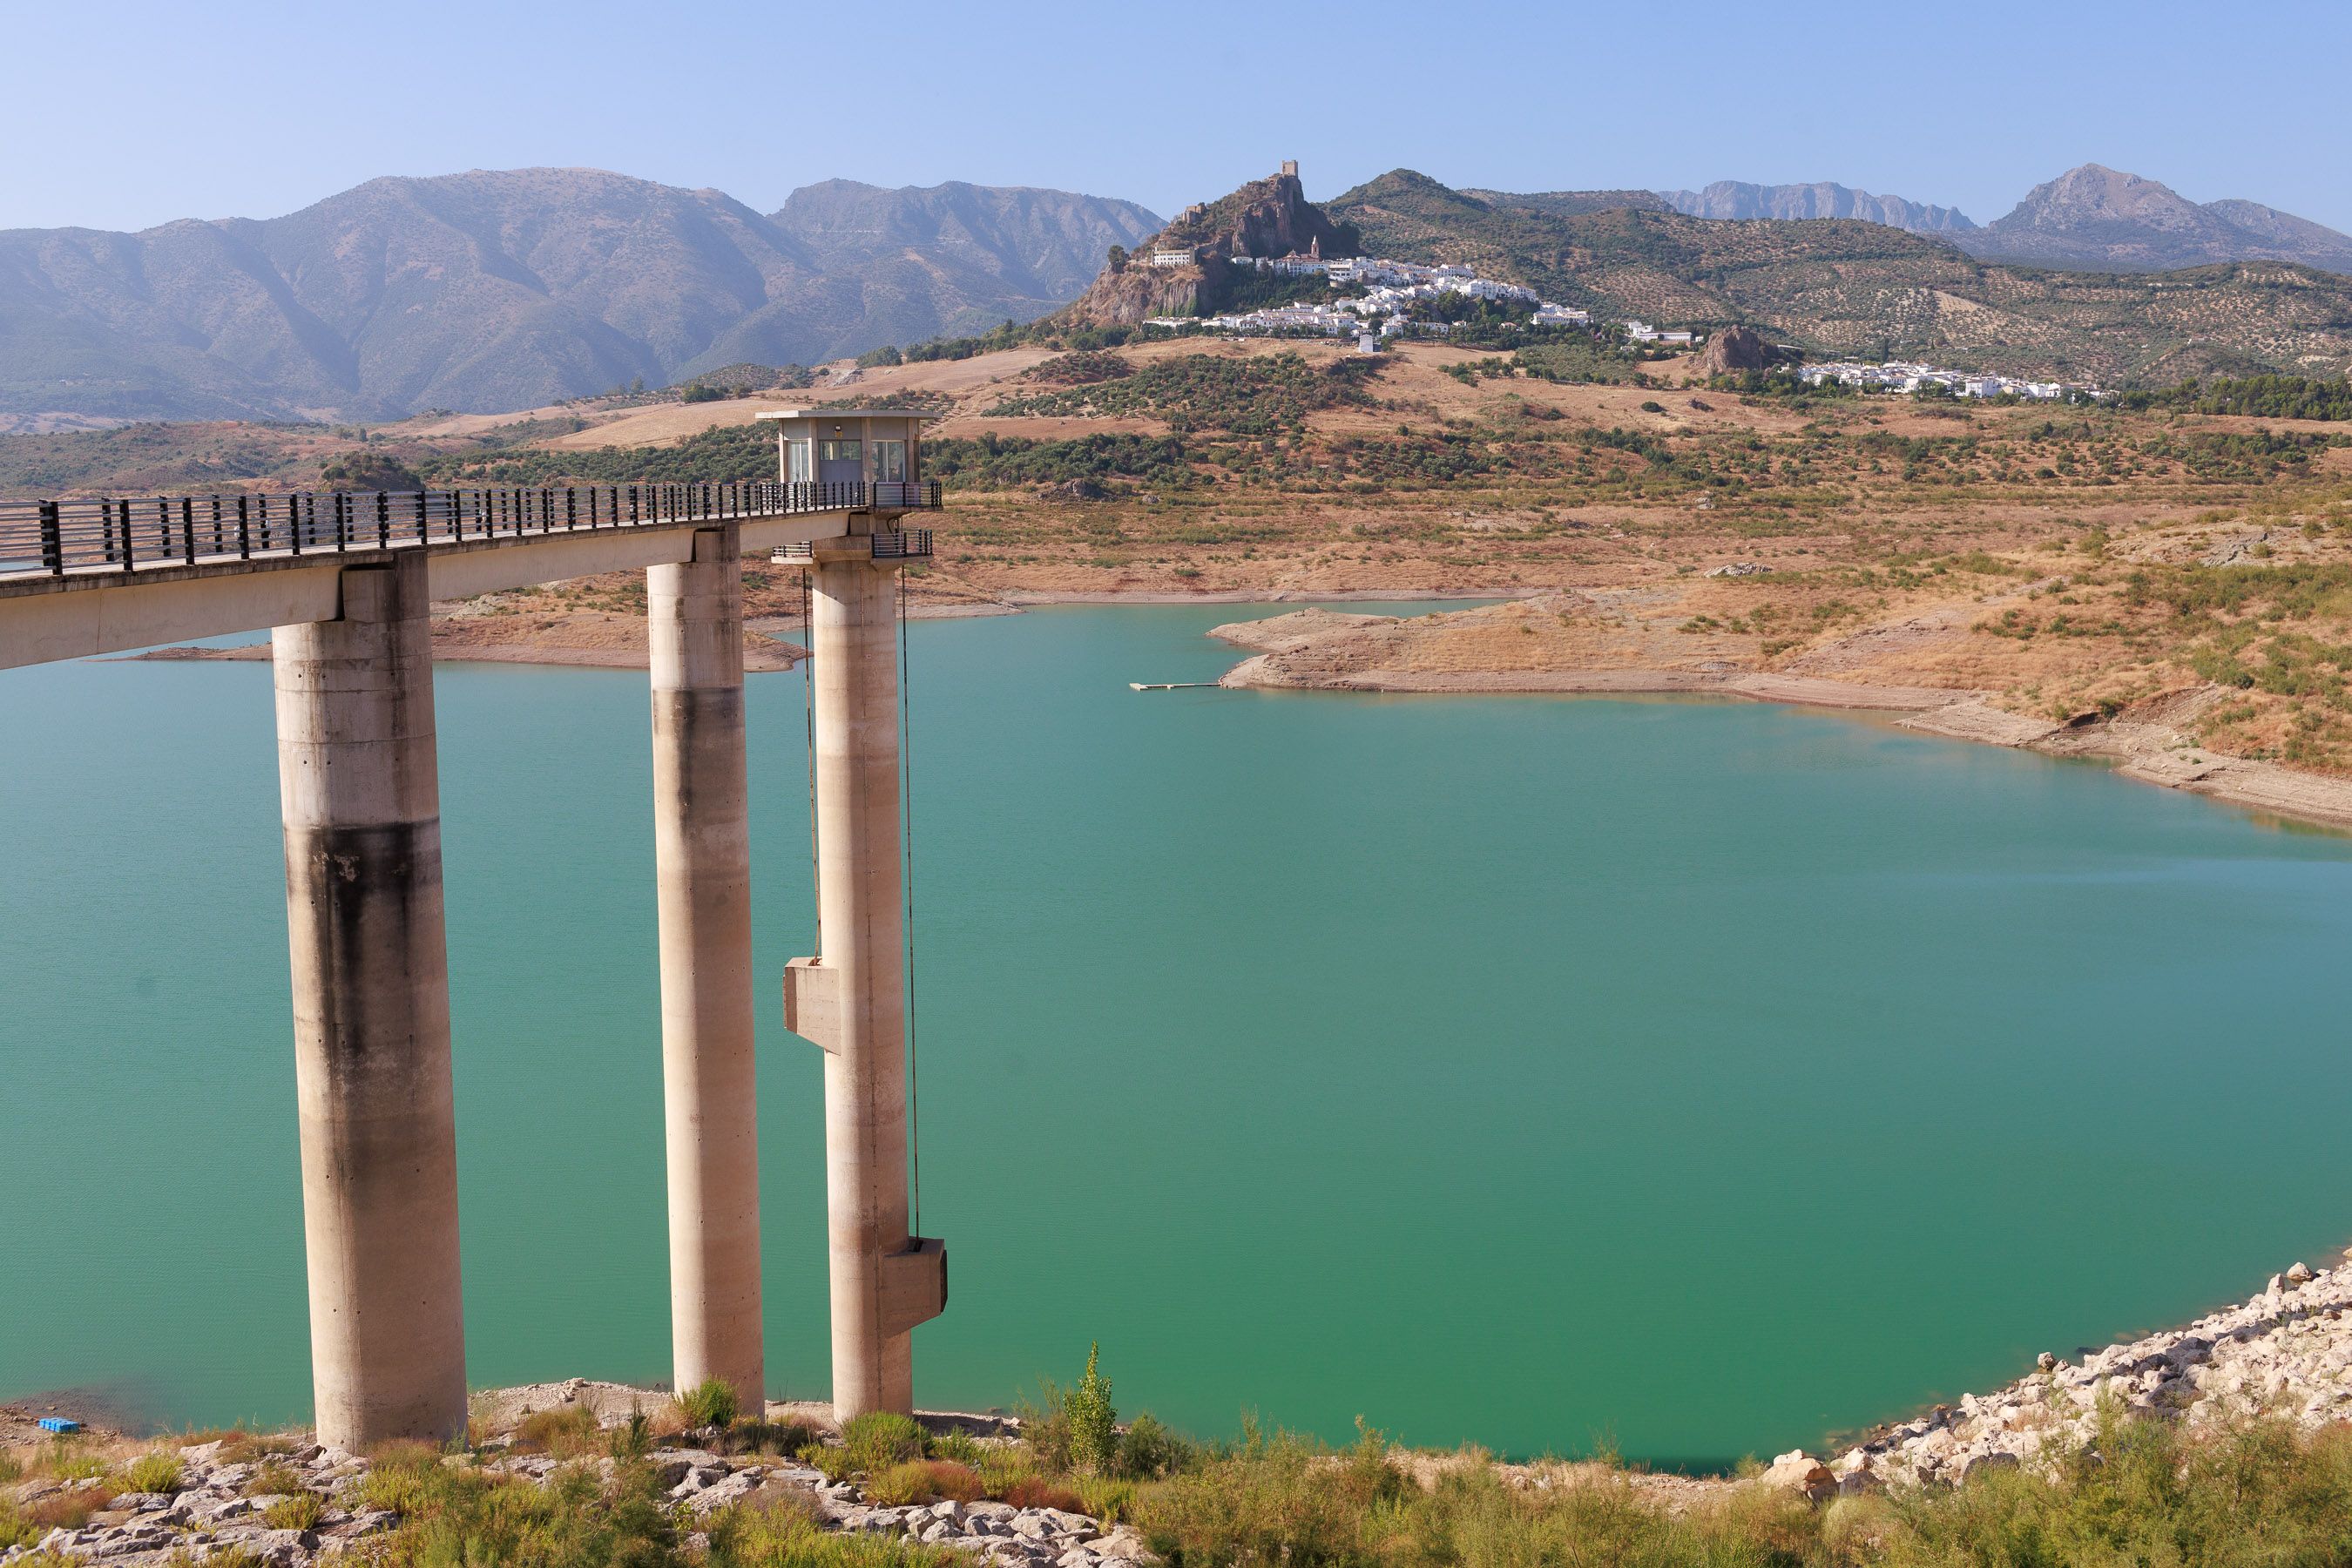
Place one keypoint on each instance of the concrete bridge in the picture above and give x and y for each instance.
(344, 582)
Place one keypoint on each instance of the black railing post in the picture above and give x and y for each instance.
(53, 539)
(423, 535)
(188, 529)
(218, 548)
(244, 532)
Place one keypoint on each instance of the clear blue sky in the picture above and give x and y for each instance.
(121, 115)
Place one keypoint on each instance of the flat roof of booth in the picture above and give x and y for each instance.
(843, 413)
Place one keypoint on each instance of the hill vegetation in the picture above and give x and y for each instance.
(1849, 287)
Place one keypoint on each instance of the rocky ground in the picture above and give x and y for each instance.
(2286, 1352)
(211, 1513)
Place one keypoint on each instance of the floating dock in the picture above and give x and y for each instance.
(1166, 685)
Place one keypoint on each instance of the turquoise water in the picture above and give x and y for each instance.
(1697, 1077)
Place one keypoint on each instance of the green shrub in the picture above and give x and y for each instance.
(1094, 1431)
(1034, 1493)
(711, 1403)
(568, 1433)
(152, 1473)
(11, 1469)
(298, 1511)
(634, 1438)
(880, 1438)
(790, 1536)
(1106, 1499)
(458, 1515)
(1150, 1451)
(275, 1479)
(65, 1460)
(924, 1480)
(833, 1461)
(958, 1444)
(774, 1438)
(405, 1478)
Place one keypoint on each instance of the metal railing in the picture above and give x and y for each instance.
(907, 544)
(55, 537)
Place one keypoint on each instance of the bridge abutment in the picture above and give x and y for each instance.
(702, 858)
(363, 901)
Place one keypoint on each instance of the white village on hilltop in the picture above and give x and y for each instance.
(1391, 289)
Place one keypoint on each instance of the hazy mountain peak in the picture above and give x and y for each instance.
(2096, 216)
(503, 289)
(1817, 199)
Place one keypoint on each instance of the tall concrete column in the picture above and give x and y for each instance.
(363, 820)
(702, 858)
(851, 998)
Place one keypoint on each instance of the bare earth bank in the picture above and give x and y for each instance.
(1567, 644)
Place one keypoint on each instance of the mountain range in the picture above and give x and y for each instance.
(488, 291)
(1737, 199)
(491, 291)
(2091, 218)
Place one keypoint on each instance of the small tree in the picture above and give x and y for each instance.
(1094, 1437)
(1119, 259)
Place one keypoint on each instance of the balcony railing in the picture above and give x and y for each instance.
(907, 544)
(55, 537)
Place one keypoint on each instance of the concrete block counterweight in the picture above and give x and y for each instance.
(370, 972)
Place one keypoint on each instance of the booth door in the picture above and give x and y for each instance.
(841, 462)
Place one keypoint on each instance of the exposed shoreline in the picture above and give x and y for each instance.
(598, 640)
(2143, 745)
(2285, 1351)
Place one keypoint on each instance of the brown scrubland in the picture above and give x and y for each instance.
(2078, 567)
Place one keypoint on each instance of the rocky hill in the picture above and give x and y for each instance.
(2103, 219)
(1856, 288)
(1739, 199)
(1847, 287)
(1265, 217)
(494, 291)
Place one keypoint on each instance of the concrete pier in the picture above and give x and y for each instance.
(851, 998)
(362, 827)
(703, 862)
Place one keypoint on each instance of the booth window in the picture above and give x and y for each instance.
(889, 461)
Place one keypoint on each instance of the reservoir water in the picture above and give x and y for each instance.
(1694, 1076)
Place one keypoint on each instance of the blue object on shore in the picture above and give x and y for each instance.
(57, 1423)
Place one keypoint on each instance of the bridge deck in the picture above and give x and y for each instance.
(79, 578)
